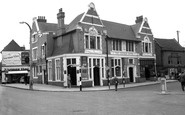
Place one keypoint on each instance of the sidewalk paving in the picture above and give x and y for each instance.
(51, 88)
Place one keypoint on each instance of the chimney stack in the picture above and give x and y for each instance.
(139, 19)
(41, 19)
(61, 25)
(178, 36)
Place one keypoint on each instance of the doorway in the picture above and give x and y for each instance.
(72, 72)
(147, 73)
(131, 74)
(96, 76)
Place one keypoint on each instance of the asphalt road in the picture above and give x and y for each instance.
(145, 100)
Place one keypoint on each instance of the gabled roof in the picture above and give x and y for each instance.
(12, 46)
(136, 27)
(74, 23)
(169, 44)
(119, 31)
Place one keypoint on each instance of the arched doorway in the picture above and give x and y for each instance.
(96, 76)
(131, 74)
(72, 71)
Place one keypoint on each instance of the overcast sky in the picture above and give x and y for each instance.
(165, 17)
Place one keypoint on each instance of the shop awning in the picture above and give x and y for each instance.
(17, 72)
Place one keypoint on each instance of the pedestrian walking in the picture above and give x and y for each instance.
(69, 81)
(181, 79)
(116, 83)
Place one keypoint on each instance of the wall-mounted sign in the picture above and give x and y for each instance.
(11, 58)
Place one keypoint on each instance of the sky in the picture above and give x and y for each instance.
(165, 17)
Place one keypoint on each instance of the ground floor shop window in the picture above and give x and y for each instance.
(49, 70)
(57, 70)
(116, 67)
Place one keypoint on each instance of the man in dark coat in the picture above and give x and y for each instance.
(181, 79)
(116, 83)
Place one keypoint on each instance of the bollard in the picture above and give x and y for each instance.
(80, 83)
(163, 86)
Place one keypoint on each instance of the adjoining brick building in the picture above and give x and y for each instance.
(41, 46)
(170, 56)
(15, 63)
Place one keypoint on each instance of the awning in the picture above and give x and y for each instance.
(17, 72)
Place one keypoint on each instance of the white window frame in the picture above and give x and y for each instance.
(50, 73)
(96, 37)
(129, 46)
(34, 37)
(115, 65)
(43, 53)
(147, 41)
(34, 71)
(36, 55)
(120, 48)
(57, 72)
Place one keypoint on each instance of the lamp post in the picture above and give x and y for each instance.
(30, 56)
(107, 61)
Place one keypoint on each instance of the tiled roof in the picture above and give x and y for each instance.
(74, 23)
(169, 44)
(47, 27)
(136, 27)
(119, 31)
(12, 46)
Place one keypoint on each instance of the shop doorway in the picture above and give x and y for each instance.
(147, 73)
(96, 76)
(131, 74)
(72, 71)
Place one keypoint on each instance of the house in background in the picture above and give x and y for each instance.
(170, 56)
(15, 62)
(90, 47)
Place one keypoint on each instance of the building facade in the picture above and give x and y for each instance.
(40, 47)
(94, 50)
(15, 63)
(170, 56)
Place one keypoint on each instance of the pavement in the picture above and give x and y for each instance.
(52, 88)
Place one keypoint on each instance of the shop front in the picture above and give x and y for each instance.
(90, 69)
(15, 74)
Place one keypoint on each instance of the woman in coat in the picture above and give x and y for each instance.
(181, 79)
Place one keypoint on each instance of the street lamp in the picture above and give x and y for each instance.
(107, 61)
(31, 77)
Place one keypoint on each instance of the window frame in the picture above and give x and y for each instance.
(87, 39)
(50, 72)
(57, 70)
(34, 56)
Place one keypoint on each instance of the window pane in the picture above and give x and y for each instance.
(94, 62)
(98, 62)
(87, 41)
(112, 62)
(92, 42)
(112, 72)
(98, 42)
(89, 62)
(73, 61)
(68, 61)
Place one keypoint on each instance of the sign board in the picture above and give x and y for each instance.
(84, 73)
(11, 58)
